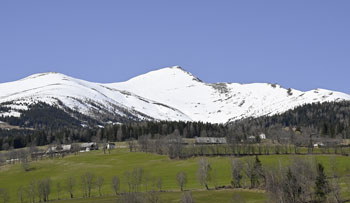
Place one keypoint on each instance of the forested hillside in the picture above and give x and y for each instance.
(43, 124)
(328, 120)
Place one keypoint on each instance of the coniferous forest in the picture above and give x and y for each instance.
(43, 124)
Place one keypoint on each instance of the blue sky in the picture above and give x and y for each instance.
(297, 43)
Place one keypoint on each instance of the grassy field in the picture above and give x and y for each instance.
(120, 161)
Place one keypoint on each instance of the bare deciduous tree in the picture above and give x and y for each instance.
(131, 145)
(44, 189)
(99, 184)
(236, 172)
(203, 173)
(23, 154)
(159, 183)
(58, 188)
(134, 179)
(116, 184)
(254, 171)
(31, 190)
(70, 186)
(87, 181)
(291, 184)
(4, 195)
(187, 197)
(144, 143)
(20, 193)
(153, 197)
(175, 145)
(181, 179)
(75, 148)
(236, 198)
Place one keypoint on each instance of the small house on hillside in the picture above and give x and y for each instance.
(262, 136)
(59, 149)
(318, 144)
(210, 140)
(88, 146)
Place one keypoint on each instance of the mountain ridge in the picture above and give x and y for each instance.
(169, 93)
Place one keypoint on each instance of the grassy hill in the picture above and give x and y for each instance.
(120, 161)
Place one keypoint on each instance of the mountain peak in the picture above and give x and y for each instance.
(175, 74)
(45, 74)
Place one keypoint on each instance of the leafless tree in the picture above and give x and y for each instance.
(20, 193)
(75, 148)
(4, 195)
(144, 143)
(32, 190)
(134, 179)
(181, 179)
(236, 198)
(33, 150)
(291, 184)
(236, 172)
(99, 184)
(253, 171)
(116, 184)
(87, 181)
(24, 155)
(147, 180)
(187, 197)
(44, 189)
(131, 145)
(138, 177)
(58, 188)
(159, 144)
(104, 145)
(159, 183)
(336, 193)
(174, 145)
(70, 186)
(128, 179)
(203, 173)
(153, 197)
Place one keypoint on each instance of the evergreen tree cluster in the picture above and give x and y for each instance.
(329, 119)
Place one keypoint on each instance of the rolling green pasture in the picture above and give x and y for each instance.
(120, 161)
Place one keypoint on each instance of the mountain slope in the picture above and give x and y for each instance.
(221, 102)
(165, 94)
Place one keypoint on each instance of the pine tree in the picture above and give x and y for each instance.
(321, 184)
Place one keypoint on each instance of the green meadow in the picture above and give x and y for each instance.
(120, 161)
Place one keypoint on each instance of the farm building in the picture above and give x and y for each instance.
(319, 144)
(88, 146)
(59, 148)
(210, 140)
(110, 146)
(262, 136)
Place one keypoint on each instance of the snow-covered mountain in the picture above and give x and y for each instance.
(165, 94)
